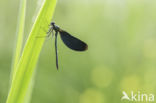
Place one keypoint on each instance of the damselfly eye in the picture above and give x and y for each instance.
(52, 23)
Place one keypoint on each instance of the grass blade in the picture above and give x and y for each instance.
(29, 58)
(20, 33)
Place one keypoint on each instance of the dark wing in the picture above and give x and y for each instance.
(72, 42)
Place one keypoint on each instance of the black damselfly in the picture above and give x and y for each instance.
(70, 41)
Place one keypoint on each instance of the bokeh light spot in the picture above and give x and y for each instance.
(130, 83)
(149, 78)
(150, 49)
(92, 96)
(102, 76)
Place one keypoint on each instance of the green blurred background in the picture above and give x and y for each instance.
(121, 35)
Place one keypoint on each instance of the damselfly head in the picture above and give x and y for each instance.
(52, 23)
(55, 27)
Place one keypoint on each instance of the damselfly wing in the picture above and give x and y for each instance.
(72, 42)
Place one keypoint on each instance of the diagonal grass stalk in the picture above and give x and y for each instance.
(25, 68)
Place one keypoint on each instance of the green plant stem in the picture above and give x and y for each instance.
(30, 55)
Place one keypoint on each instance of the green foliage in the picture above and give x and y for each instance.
(23, 73)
